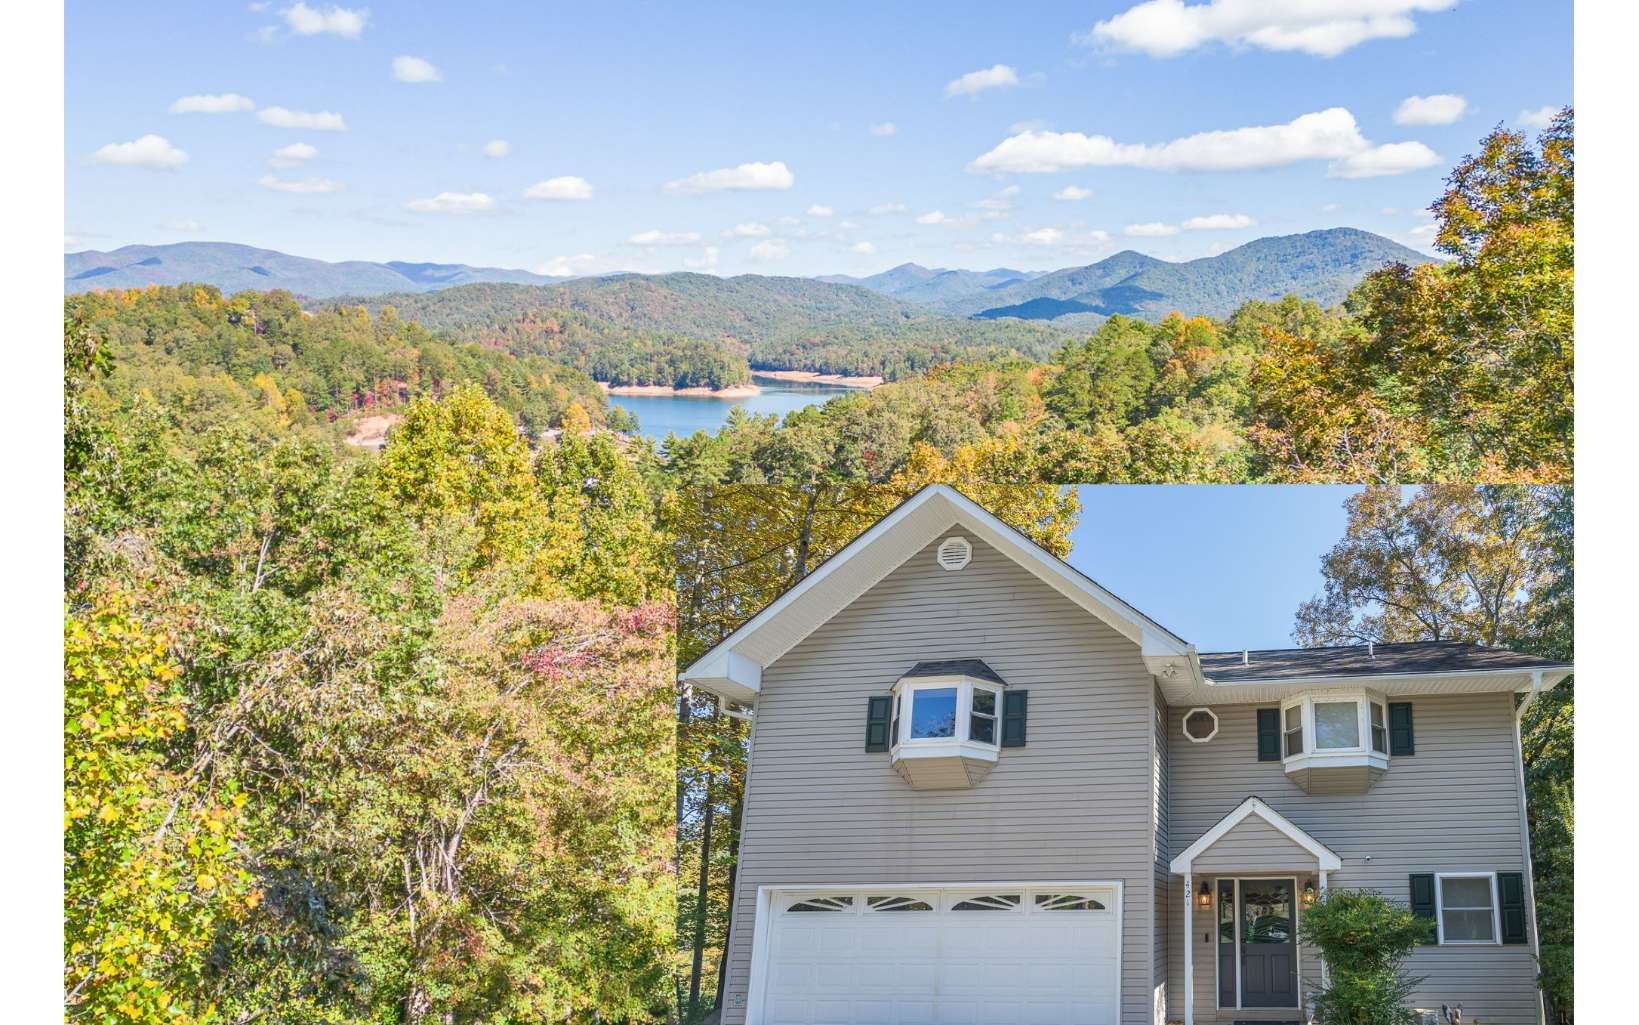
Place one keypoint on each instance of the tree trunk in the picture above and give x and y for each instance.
(701, 892)
(734, 818)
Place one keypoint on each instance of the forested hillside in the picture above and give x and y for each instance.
(206, 356)
(774, 323)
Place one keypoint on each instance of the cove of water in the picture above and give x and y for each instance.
(660, 415)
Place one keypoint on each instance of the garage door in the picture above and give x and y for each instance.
(1042, 955)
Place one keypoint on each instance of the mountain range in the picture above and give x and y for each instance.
(1318, 265)
(234, 268)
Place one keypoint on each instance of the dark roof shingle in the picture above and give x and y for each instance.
(1359, 660)
(956, 667)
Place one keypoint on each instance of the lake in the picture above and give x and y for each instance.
(660, 415)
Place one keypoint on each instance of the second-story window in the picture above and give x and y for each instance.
(982, 723)
(1380, 729)
(1337, 725)
(1294, 730)
(933, 713)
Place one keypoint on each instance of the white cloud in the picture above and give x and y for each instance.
(656, 237)
(743, 178)
(1331, 208)
(1325, 135)
(1423, 230)
(183, 225)
(415, 70)
(788, 221)
(1390, 158)
(293, 155)
(1056, 237)
(1034, 125)
(884, 209)
(1441, 109)
(300, 186)
(707, 260)
(452, 203)
(151, 151)
(1152, 229)
(1219, 222)
(1541, 117)
(862, 248)
(1167, 28)
(1042, 237)
(933, 217)
(221, 103)
(750, 229)
(770, 250)
(563, 266)
(337, 21)
(999, 202)
(320, 121)
(820, 211)
(565, 187)
(998, 76)
(497, 148)
(884, 129)
(1073, 193)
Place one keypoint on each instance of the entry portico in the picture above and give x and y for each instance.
(1256, 867)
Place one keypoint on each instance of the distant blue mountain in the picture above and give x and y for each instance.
(233, 268)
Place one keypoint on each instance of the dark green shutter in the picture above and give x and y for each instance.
(1268, 734)
(1015, 705)
(1401, 741)
(1511, 895)
(877, 711)
(1422, 902)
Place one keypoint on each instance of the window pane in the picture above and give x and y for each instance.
(1226, 912)
(1294, 717)
(1467, 925)
(1466, 893)
(1377, 714)
(984, 701)
(1337, 724)
(982, 729)
(1294, 742)
(1266, 913)
(933, 713)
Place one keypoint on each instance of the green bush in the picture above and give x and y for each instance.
(1365, 941)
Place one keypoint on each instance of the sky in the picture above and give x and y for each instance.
(1225, 567)
(785, 139)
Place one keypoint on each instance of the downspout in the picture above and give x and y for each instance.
(1525, 832)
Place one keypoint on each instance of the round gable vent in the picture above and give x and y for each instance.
(955, 552)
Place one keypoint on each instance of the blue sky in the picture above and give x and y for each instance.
(993, 113)
(1224, 567)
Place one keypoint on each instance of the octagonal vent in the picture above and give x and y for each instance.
(955, 552)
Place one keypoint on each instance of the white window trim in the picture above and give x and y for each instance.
(903, 744)
(1440, 909)
(1183, 725)
(768, 898)
(1313, 756)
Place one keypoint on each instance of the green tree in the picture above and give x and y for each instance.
(1365, 941)
(151, 860)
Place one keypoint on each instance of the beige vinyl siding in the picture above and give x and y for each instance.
(1253, 845)
(1074, 804)
(1453, 806)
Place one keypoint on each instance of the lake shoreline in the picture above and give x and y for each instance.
(812, 377)
(733, 391)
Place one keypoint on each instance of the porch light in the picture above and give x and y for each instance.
(1206, 895)
(1308, 895)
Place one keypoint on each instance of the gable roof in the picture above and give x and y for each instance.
(1419, 658)
(734, 667)
(1326, 859)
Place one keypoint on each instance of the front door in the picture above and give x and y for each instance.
(1269, 963)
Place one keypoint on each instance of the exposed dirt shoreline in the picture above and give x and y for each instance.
(733, 391)
(810, 377)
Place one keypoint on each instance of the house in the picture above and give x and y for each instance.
(985, 790)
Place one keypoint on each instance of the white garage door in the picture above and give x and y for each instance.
(1039, 955)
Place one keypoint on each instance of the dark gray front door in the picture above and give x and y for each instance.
(1269, 962)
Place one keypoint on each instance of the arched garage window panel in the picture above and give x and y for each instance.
(891, 903)
(989, 902)
(1066, 902)
(823, 904)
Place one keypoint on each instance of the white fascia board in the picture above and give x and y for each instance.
(1473, 681)
(1326, 859)
(728, 674)
(1550, 677)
